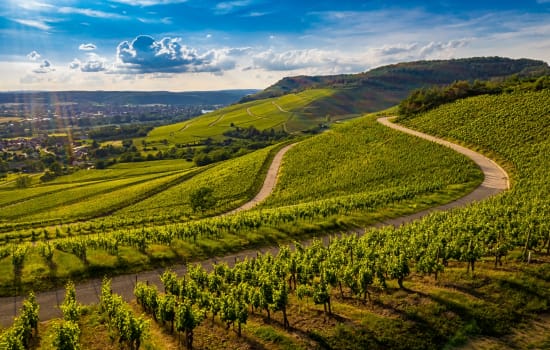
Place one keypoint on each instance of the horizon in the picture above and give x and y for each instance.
(191, 45)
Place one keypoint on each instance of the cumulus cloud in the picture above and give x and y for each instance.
(146, 55)
(45, 67)
(294, 59)
(87, 47)
(95, 63)
(318, 61)
(33, 56)
(75, 64)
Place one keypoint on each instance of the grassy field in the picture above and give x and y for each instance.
(264, 114)
(233, 182)
(363, 156)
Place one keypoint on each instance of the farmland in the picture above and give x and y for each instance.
(438, 282)
(163, 228)
(288, 113)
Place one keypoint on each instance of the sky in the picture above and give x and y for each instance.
(191, 45)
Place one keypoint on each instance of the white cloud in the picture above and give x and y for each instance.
(164, 20)
(87, 47)
(33, 56)
(45, 67)
(42, 25)
(95, 63)
(33, 5)
(441, 49)
(317, 61)
(75, 64)
(89, 13)
(145, 3)
(226, 7)
(289, 60)
(147, 55)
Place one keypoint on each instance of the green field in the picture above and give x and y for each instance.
(339, 189)
(287, 112)
(232, 183)
(476, 276)
(363, 156)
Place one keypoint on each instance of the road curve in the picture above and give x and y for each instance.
(496, 181)
(269, 182)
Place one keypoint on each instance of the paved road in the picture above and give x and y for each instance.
(496, 181)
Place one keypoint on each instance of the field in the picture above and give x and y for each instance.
(363, 156)
(476, 277)
(288, 112)
(150, 216)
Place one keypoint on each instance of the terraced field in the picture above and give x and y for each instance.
(288, 112)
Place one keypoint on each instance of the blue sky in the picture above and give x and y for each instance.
(183, 45)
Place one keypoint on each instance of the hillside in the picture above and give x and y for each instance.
(115, 98)
(476, 276)
(386, 86)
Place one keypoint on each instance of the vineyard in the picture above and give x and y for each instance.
(158, 229)
(288, 112)
(435, 283)
(363, 156)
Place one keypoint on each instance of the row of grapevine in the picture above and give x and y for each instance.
(24, 328)
(129, 329)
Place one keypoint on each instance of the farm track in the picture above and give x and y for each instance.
(496, 180)
(279, 107)
(219, 119)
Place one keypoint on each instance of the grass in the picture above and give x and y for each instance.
(262, 114)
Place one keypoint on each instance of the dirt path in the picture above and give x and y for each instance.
(496, 181)
(269, 182)
(217, 120)
(279, 107)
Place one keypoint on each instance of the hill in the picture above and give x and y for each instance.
(454, 277)
(386, 86)
(223, 97)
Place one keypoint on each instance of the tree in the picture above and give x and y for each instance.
(23, 181)
(202, 199)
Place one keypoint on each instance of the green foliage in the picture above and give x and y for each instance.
(362, 157)
(131, 330)
(386, 86)
(277, 114)
(24, 328)
(23, 181)
(202, 199)
(424, 99)
(67, 336)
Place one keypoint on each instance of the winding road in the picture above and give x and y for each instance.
(496, 180)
